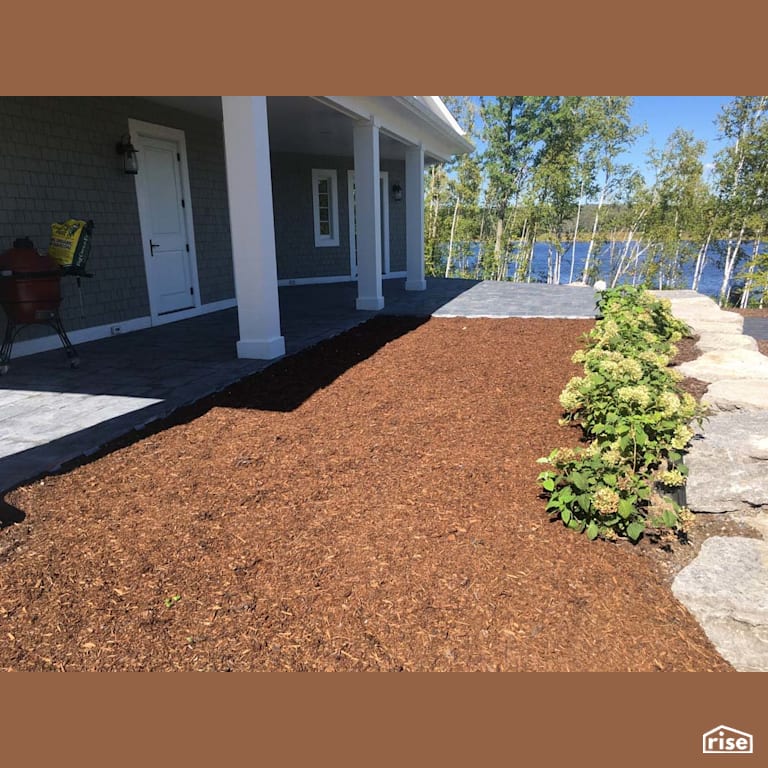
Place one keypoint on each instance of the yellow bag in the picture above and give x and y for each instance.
(70, 243)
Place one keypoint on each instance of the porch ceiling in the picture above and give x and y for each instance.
(296, 124)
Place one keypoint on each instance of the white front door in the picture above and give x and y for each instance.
(384, 198)
(165, 219)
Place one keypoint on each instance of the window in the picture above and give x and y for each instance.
(325, 204)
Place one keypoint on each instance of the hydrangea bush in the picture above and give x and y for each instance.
(635, 421)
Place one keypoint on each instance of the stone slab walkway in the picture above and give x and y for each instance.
(726, 586)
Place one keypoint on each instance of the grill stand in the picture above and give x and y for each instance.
(48, 317)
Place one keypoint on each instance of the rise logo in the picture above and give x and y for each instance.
(723, 740)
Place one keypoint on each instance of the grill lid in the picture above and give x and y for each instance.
(24, 257)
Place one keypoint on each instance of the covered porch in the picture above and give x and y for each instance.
(224, 200)
(51, 414)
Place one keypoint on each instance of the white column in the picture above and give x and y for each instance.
(414, 219)
(252, 226)
(368, 216)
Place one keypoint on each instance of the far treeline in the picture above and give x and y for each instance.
(550, 172)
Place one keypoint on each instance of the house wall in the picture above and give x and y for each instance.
(297, 256)
(58, 160)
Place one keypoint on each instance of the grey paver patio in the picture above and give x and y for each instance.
(757, 327)
(51, 414)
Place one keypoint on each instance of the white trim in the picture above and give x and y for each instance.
(384, 182)
(96, 332)
(414, 218)
(351, 218)
(332, 279)
(332, 240)
(137, 129)
(204, 309)
(315, 280)
(252, 225)
(407, 119)
(261, 349)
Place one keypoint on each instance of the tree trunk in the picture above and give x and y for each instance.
(576, 232)
(700, 261)
(585, 271)
(449, 260)
(731, 256)
(748, 282)
(479, 267)
(627, 246)
(550, 275)
(530, 254)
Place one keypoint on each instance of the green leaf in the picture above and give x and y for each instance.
(566, 516)
(669, 517)
(548, 484)
(583, 501)
(635, 530)
(626, 508)
(577, 479)
(609, 479)
(566, 495)
(640, 437)
(592, 530)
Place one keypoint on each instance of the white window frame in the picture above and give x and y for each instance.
(318, 175)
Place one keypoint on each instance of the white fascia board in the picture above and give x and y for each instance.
(445, 122)
(406, 120)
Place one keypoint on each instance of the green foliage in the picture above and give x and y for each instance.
(635, 419)
(548, 169)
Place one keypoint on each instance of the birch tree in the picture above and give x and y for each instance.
(464, 181)
(671, 220)
(738, 168)
(511, 131)
(556, 172)
(610, 133)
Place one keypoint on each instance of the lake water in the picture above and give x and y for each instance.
(710, 282)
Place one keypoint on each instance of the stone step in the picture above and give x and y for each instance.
(724, 475)
(714, 342)
(726, 589)
(737, 394)
(727, 364)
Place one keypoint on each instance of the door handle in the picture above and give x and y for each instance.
(152, 247)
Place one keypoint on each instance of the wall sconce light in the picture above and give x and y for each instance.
(129, 152)
(397, 192)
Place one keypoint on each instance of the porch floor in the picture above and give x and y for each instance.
(51, 414)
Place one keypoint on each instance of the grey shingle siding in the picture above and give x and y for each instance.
(297, 256)
(396, 172)
(58, 160)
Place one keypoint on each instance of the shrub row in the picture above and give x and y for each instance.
(635, 421)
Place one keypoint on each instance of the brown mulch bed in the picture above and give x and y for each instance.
(368, 504)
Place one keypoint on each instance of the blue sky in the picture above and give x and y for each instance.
(662, 114)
